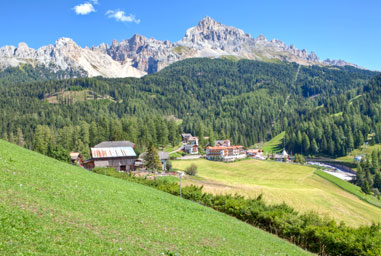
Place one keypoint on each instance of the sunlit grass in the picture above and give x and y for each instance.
(295, 185)
(51, 208)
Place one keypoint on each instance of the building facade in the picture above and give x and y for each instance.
(191, 147)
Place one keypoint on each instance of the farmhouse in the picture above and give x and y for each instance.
(116, 154)
(76, 158)
(192, 145)
(222, 153)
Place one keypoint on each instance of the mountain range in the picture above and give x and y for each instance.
(139, 55)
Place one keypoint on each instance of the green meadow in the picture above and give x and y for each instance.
(52, 208)
(296, 185)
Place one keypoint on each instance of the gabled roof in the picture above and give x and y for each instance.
(112, 152)
(74, 155)
(113, 144)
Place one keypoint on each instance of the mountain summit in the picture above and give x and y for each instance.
(139, 55)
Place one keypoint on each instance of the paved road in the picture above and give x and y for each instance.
(189, 157)
(335, 171)
(179, 149)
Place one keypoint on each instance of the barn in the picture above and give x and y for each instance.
(116, 154)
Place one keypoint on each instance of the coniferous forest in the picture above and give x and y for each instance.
(324, 110)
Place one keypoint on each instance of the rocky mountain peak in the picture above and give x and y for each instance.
(65, 42)
(140, 55)
(208, 22)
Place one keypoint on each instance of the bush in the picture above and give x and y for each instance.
(191, 170)
(168, 165)
(300, 159)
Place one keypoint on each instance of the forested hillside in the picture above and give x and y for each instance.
(327, 110)
(28, 73)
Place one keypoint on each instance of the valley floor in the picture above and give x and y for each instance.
(295, 185)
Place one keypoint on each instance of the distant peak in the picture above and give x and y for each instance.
(261, 37)
(207, 20)
(64, 41)
(22, 45)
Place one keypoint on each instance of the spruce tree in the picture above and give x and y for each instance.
(152, 160)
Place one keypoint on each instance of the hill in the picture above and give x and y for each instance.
(246, 101)
(51, 208)
(295, 185)
(362, 151)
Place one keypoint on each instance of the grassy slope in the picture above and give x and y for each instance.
(275, 144)
(296, 185)
(353, 189)
(361, 150)
(52, 208)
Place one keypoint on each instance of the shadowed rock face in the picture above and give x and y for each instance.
(139, 55)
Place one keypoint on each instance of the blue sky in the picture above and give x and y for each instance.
(336, 29)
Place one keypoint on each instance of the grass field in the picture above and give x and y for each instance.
(171, 148)
(275, 144)
(51, 208)
(76, 96)
(353, 189)
(356, 152)
(295, 185)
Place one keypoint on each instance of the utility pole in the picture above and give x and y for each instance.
(180, 175)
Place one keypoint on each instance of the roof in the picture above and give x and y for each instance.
(162, 155)
(113, 144)
(112, 152)
(186, 134)
(223, 147)
(253, 150)
(74, 155)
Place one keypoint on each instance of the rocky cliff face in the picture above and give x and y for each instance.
(139, 55)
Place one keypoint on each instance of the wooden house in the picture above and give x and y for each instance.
(116, 154)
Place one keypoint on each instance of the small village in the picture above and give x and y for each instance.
(121, 155)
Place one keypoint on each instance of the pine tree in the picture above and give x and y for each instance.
(314, 146)
(152, 160)
(11, 138)
(4, 136)
(20, 138)
(306, 143)
(377, 181)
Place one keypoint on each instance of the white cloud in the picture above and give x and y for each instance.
(119, 15)
(84, 9)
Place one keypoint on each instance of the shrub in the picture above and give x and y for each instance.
(168, 165)
(191, 170)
